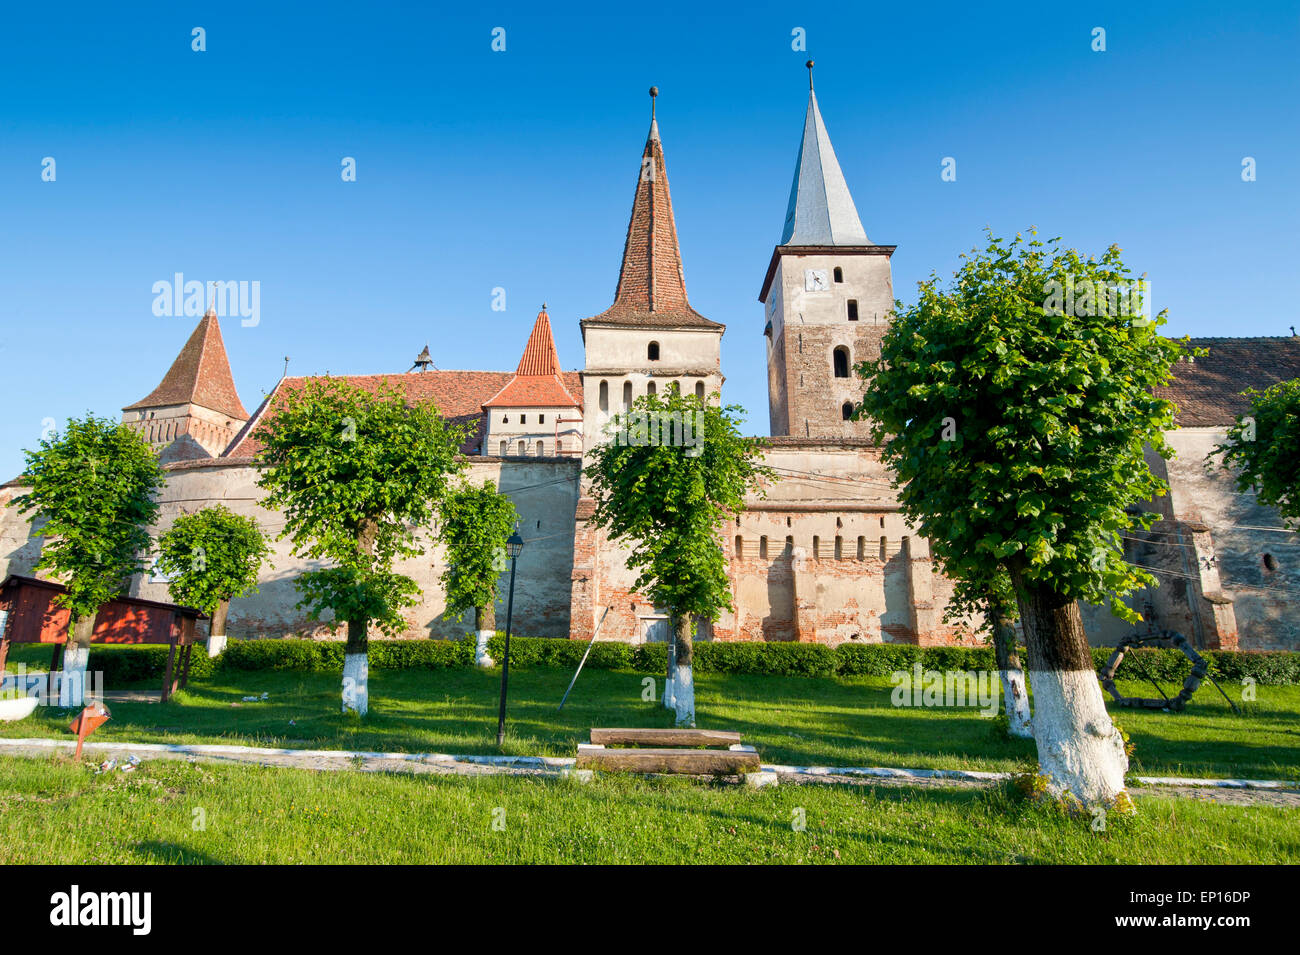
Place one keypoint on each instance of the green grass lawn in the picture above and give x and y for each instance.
(176, 812)
(808, 721)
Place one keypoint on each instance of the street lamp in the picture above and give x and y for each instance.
(513, 547)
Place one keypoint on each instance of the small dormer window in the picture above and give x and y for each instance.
(853, 310)
(652, 353)
(839, 274)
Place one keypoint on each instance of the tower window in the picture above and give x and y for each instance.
(652, 353)
(853, 310)
(523, 447)
(541, 419)
(762, 547)
(523, 419)
(862, 548)
(651, 388)
(846, 411)
(841, 362)
(505, 448)
(884, 548)
(839, 548)
(839, 274)
(505, 419)
(699, 390)
(541, 449)
(789, 545)
(604, 396)
(740, 546)
(627, 396)
(817, 544)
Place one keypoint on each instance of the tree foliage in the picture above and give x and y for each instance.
(356, 474)
(93, 485)
(669, 501)
(476, 522)
(211, 556)
(1016, 429)
(1262, 448)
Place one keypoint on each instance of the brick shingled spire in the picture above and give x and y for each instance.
(200, 375)
(651, 286)
(537, 382)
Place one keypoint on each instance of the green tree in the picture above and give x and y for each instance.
(476, 521)
(1014, 407)
(93, 485)
(212, 557)
(1261, 448)
(672, 472)
(357, 475)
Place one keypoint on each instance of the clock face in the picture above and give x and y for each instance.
(815, 280)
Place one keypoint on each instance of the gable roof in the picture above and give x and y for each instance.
(537, 382)
(459, 395)
(200, 375)
(1208, 390)
(651, 283)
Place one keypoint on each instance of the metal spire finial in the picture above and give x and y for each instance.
(654, 92)
(809, 64)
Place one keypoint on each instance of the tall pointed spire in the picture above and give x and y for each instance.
(651, 283)
(200, 375)
(821, 210)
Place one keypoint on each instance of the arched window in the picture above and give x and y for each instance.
(853, 310)
(762, 547)
(839, 548)
(650, 389)
(841, 362)
(627, 396)
(740, 546)
(652, 353)
(789, 545)
(505, 419)
(884, 548)
(559, 446)
(541, 449)
(846, 411)
(839, 274)
(699, 390)
(862, 548)
(505, 448)
(604, 396)
(523, 447)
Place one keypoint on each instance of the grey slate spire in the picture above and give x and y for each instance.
(821, 210)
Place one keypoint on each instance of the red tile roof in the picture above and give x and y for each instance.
(1208, 390)
(651, 285)
(459, 396)
(200, 375)
(537, 383)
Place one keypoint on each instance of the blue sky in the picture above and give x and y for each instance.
(479, 169)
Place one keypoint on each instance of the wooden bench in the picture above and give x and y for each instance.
(667, 751)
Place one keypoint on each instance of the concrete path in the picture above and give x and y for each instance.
(1242, 792)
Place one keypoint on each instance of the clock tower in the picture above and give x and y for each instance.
(827, 297)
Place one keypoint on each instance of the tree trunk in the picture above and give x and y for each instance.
(356, 668)
(217, 628)
(76, 655)
(1079, 750)
(683, 678)
(485, 626)
(356, 659)
(1014, 693)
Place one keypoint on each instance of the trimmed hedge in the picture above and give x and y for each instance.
(124, 665)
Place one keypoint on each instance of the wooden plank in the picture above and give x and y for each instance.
(664, 737)
(693, 762)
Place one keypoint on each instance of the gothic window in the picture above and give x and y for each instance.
(652, 353)
(846, 411)
(841, 362)
(853, 310)
(839, 274)
(604, 396)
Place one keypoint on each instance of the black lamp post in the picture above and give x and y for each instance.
(513, 546)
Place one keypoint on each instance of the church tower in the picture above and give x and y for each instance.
(195, 411)
(827, 297)
(650, 338)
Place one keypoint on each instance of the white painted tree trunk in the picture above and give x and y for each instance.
(481, 657)
(356, 673)
(684, 695)
(1016, 697)
(72, 682)
(217, 628)
(1079, 749)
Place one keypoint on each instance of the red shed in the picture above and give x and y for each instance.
(33, 617)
